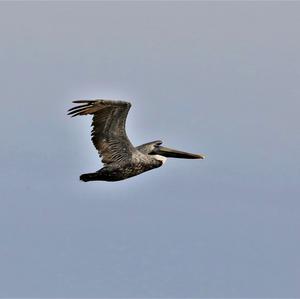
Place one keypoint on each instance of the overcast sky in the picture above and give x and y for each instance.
(219, 78)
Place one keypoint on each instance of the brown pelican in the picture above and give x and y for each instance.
(120, 158)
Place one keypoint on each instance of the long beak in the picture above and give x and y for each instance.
(171, 153)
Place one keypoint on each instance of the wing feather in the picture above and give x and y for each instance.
(108, 128)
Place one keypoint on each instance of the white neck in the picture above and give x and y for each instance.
(160, 158)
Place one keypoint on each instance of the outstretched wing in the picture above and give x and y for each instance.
(108, 133)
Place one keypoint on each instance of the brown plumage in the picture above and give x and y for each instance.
(120, 158)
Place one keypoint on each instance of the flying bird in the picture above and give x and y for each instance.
(120, 158)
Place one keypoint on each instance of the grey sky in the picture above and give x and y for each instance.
(220, 78)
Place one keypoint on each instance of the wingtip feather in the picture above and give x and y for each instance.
(88, 104)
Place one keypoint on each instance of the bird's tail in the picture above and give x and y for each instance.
(94, 176)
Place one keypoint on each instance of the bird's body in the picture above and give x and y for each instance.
(138, 164)
(120, 158)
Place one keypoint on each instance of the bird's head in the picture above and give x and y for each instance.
(161, 153)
